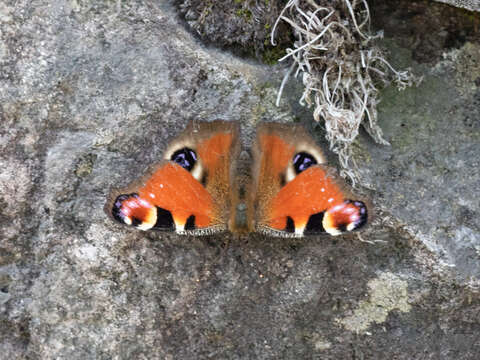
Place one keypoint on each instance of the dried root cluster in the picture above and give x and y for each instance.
(339, 65)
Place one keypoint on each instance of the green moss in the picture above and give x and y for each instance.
(271, 55)
(244, 14)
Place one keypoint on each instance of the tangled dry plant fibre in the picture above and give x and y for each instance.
(339, 65)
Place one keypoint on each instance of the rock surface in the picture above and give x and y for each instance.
(90, 93)
(473, 5)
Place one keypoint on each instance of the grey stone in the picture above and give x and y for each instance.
(473, 5)
(433, 163)
(91, 92)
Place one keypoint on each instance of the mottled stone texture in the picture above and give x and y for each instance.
(473, 5)
(90, 92)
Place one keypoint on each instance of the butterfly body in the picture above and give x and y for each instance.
(195, 190)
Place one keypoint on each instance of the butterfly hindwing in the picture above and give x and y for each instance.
(295, 194)
(190, 191)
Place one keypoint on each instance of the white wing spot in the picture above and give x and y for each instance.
(322, 189)
(330, 200)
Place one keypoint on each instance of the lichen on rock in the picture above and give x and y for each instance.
(388, 292)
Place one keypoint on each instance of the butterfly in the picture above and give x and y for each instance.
(195, 189)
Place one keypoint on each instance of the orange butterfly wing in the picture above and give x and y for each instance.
(190, 191)
(295, 194)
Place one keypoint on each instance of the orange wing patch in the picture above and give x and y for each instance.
(276, 154)
(173, 188)
(311, 192)
(215, 150)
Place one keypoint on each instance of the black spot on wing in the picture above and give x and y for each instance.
(190, 224)
(136, 222)
(290, 225)
(164, 220)
(185, 157)
(302, 161)
(314, 224)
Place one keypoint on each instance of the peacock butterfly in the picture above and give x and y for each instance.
(195, 189)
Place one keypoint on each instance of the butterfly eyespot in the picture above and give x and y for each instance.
(302, 161)
(349, 216)
(133, 210)
(117, 212)
(185, 157)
